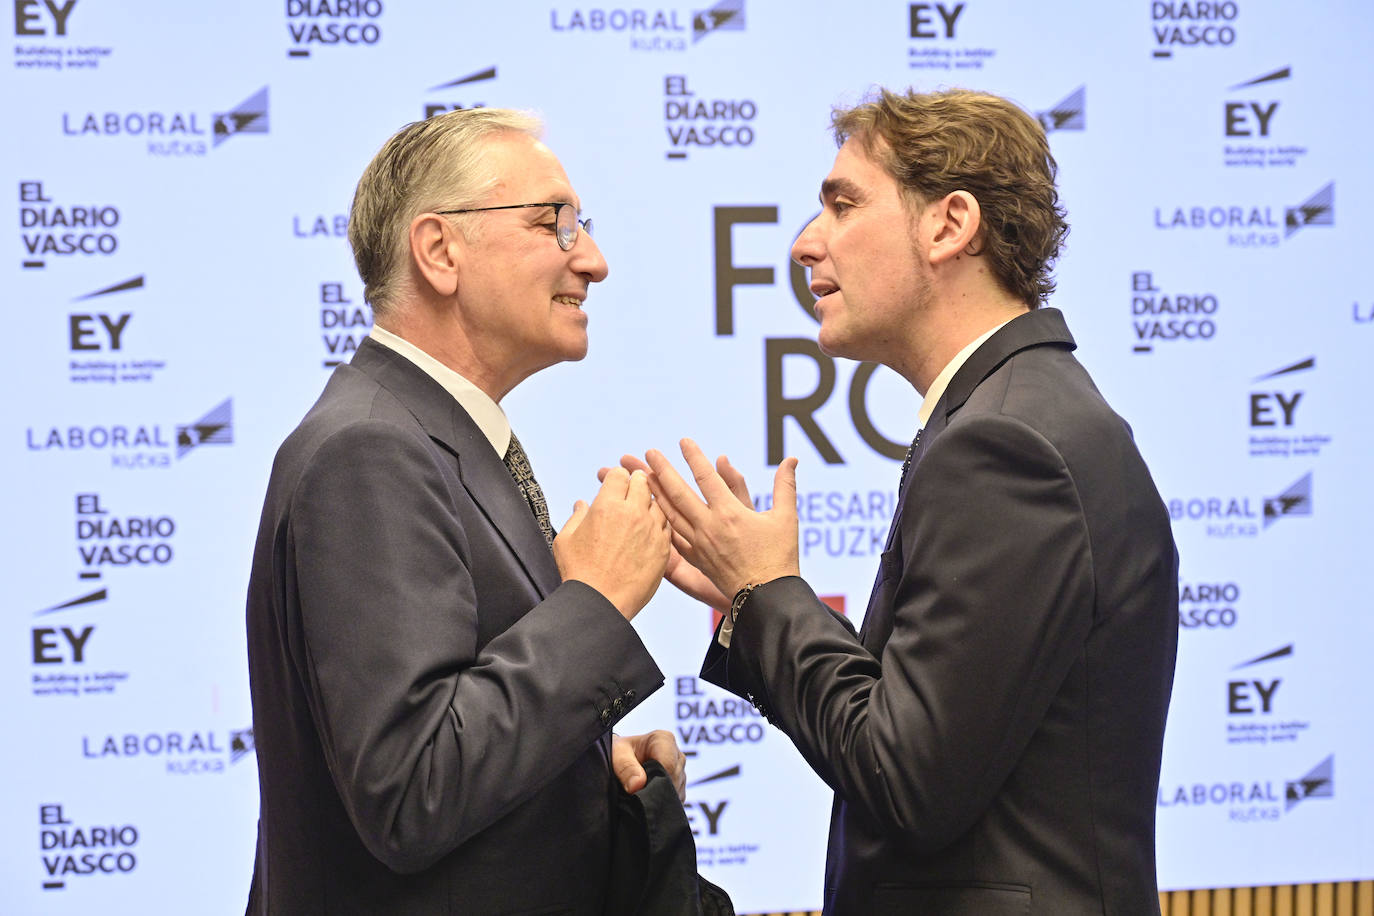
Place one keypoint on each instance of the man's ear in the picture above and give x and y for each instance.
(954, 227)
(437, 249)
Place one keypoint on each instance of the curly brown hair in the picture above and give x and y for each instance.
(939, 142)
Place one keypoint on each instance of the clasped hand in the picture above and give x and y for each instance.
(724, 542)
(619, 544)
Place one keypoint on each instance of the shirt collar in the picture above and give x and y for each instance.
(485, 412)
(937, 387)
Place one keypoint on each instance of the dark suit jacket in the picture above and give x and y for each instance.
(993, 736)
(430, 704)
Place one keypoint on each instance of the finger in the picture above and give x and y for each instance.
(633, 463)
(662, 746)
(601, 474)
(682, 545)
(625, 763)
(615, 484)
(637, 493)
(664, 504)
(682, 506)
(660, 521)
(785, 484)
(708, 481)
(656, 489)
(734, 480)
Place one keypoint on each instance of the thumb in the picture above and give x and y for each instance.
(785, 484)
(625, 763)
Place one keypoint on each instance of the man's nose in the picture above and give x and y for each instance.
(588, 260)
(807, 249)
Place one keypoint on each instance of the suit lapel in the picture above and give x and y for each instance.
(483, 474)
(1035, 328)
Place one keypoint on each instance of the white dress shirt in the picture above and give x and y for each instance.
(485, 412)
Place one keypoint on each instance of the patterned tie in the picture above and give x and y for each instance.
(906, 462)
(519, 466)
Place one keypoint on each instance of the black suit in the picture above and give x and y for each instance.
(993, 737)
(430, 704)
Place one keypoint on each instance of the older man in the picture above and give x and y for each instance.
(433, 686)
(993, 734)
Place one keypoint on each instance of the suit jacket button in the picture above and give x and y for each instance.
(630, 694)
(605, 717)
(617, 706)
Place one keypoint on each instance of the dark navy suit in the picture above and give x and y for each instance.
(993, 736)
(430, 705)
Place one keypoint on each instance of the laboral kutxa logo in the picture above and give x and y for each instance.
(651, 29)
(1250, 225)
(172, 132)
(1069, 114)
(1250, 799)
(177, 752)
(1232, 515)
(137, 445)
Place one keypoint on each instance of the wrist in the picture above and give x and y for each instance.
(740, 599)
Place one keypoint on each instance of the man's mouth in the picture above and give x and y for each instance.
(569, 300)
(822, 288)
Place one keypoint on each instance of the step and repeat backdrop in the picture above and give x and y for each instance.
(178, 287)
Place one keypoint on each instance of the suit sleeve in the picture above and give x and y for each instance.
(429, 740)
(993, 599)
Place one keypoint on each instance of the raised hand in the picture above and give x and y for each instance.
(691, 581)
(723, 537)
(619, 544)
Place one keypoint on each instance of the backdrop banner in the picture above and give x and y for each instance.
(179, 287)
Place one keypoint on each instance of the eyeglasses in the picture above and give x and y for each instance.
(566, 227)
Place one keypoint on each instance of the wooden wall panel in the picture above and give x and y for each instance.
(1344, 898)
